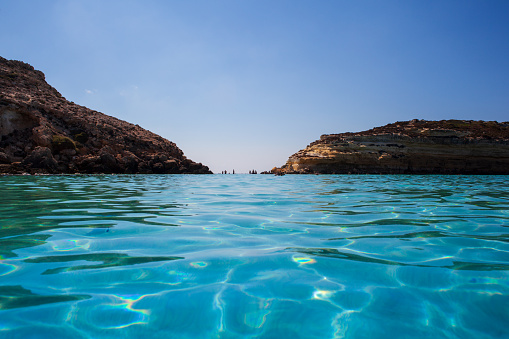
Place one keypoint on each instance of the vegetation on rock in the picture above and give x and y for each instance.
(42, 132)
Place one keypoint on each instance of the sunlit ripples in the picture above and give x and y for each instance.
(252, 256)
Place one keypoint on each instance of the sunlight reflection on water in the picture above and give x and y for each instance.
(188, 256)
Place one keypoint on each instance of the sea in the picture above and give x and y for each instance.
(254, 256)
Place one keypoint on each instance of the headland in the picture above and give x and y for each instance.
(43, 133)
(408, 147)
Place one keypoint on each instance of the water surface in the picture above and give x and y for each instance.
(252, 256)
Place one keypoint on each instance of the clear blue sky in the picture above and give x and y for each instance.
(244, 84)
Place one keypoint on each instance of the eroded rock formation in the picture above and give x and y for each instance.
(42, 132)
(413, 147)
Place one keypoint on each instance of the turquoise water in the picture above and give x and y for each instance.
(254, 256)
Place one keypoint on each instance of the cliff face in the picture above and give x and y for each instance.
(413, 147)
(42, 132)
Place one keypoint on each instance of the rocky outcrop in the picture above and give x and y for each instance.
(409, 147)
(42, 132)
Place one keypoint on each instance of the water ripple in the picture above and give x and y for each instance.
(187, 256)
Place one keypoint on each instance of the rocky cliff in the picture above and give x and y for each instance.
(413, 147)
(42, 132)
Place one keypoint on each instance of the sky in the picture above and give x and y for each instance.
(244, 84)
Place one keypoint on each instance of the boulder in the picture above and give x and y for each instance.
(41, 157)
(4, 158)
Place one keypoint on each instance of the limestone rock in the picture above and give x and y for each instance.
(40, 131)
(409, 147)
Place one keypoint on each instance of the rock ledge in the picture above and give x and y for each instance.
(409, 147)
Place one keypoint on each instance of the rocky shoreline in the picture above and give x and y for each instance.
(408, 147)
(43, 133)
